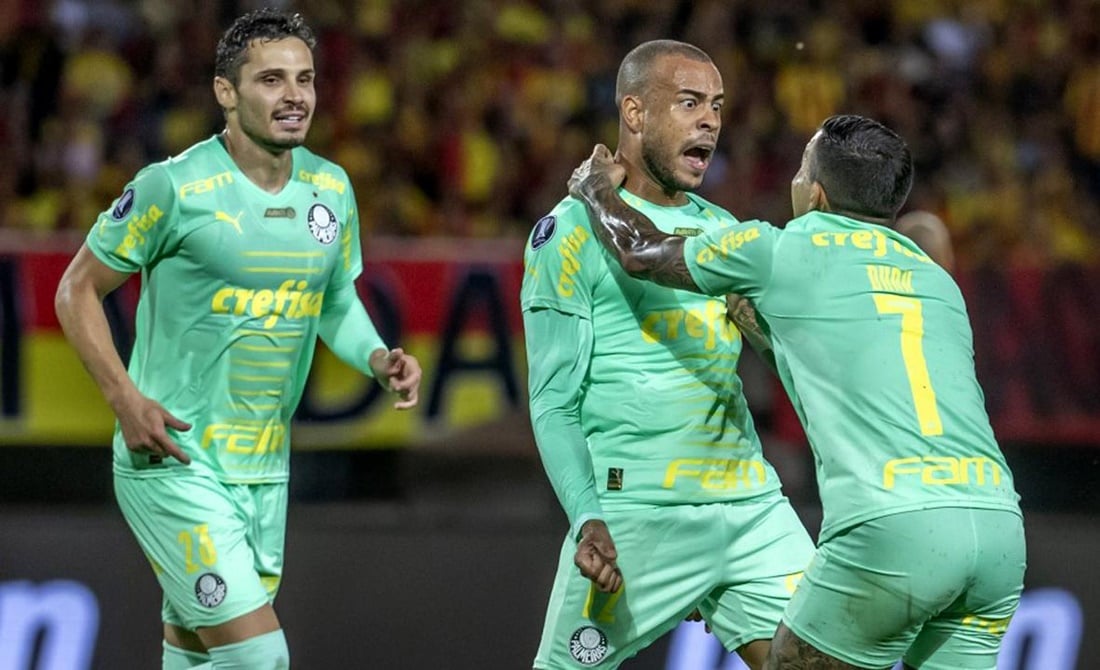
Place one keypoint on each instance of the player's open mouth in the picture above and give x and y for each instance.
(698, 157)
(291, 121)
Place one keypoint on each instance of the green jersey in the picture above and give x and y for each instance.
(233, 283)
(661, 406)
(874, 347)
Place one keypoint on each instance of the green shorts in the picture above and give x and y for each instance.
(216, 549)
(936, 587)
(737, 562)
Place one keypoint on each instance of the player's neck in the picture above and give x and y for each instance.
(645, 185)
(877, 220)
(270, 171)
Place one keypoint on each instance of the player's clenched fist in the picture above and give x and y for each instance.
(596, 557)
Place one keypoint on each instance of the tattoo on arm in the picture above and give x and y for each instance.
(742, 313)
(643, 250)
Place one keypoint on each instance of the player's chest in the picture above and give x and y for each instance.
(252, 243)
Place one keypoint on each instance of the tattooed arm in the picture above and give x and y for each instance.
(644, 251)
(740, 311)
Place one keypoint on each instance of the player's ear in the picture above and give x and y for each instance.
(819, 199)
(632, 113)
(225, 93)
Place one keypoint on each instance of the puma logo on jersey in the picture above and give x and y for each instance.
(235, 220)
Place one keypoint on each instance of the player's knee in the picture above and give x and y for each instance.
(263, 652)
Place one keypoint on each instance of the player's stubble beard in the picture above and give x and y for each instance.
(657, 161)
(268, 140)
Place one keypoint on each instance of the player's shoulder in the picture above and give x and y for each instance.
(198, 161)
(563, 220)
(720, 215)
(930, 233)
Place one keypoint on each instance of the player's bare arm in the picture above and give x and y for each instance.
(79, 307)
(741, 312)
(644, 251)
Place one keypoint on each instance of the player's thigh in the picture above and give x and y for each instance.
(669, 561)
(198, 540)
(767, 550)
(869, 589)
(266, 505)
(969, 632)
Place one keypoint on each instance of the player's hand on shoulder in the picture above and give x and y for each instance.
(144, 423)
(596, 556)
(600, 170)
(399, 372)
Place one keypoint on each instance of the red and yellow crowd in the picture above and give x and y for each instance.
(465, 119)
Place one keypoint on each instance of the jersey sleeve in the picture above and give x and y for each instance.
(345, 325)
(350, 265)
(561, 347)
(139, 227)
(733, 259)
(562, 262)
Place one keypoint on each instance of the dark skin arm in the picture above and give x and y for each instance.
(644, 251)
(743, 315)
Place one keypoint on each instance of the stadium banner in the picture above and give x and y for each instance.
(454, 304)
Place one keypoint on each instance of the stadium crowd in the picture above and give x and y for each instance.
(465, 118)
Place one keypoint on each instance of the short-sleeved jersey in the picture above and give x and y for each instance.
(662, 406)
(233, 283)
(874, 347)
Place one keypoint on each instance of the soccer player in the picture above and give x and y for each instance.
(921, 553)
(248, 247)
(670, 501)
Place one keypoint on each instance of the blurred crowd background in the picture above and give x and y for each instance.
(464, 119)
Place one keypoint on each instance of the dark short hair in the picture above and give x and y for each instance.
(633, 74)
(265, 24)
(863, 166)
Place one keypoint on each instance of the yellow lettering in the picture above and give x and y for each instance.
(324, 181)
(880, 246)
(568, 249)
(672, 319)
(245, 439)
(716, 474)
(261, 303)
(218, 303)
(681, 468)
(899, 466)
(820, 239)
(649, 328)
(941, 470)
(888, 279)
(206, 184)
(862, 239)
(695, 325)
(708, 325)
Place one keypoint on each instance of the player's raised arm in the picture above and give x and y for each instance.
(644, 251)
